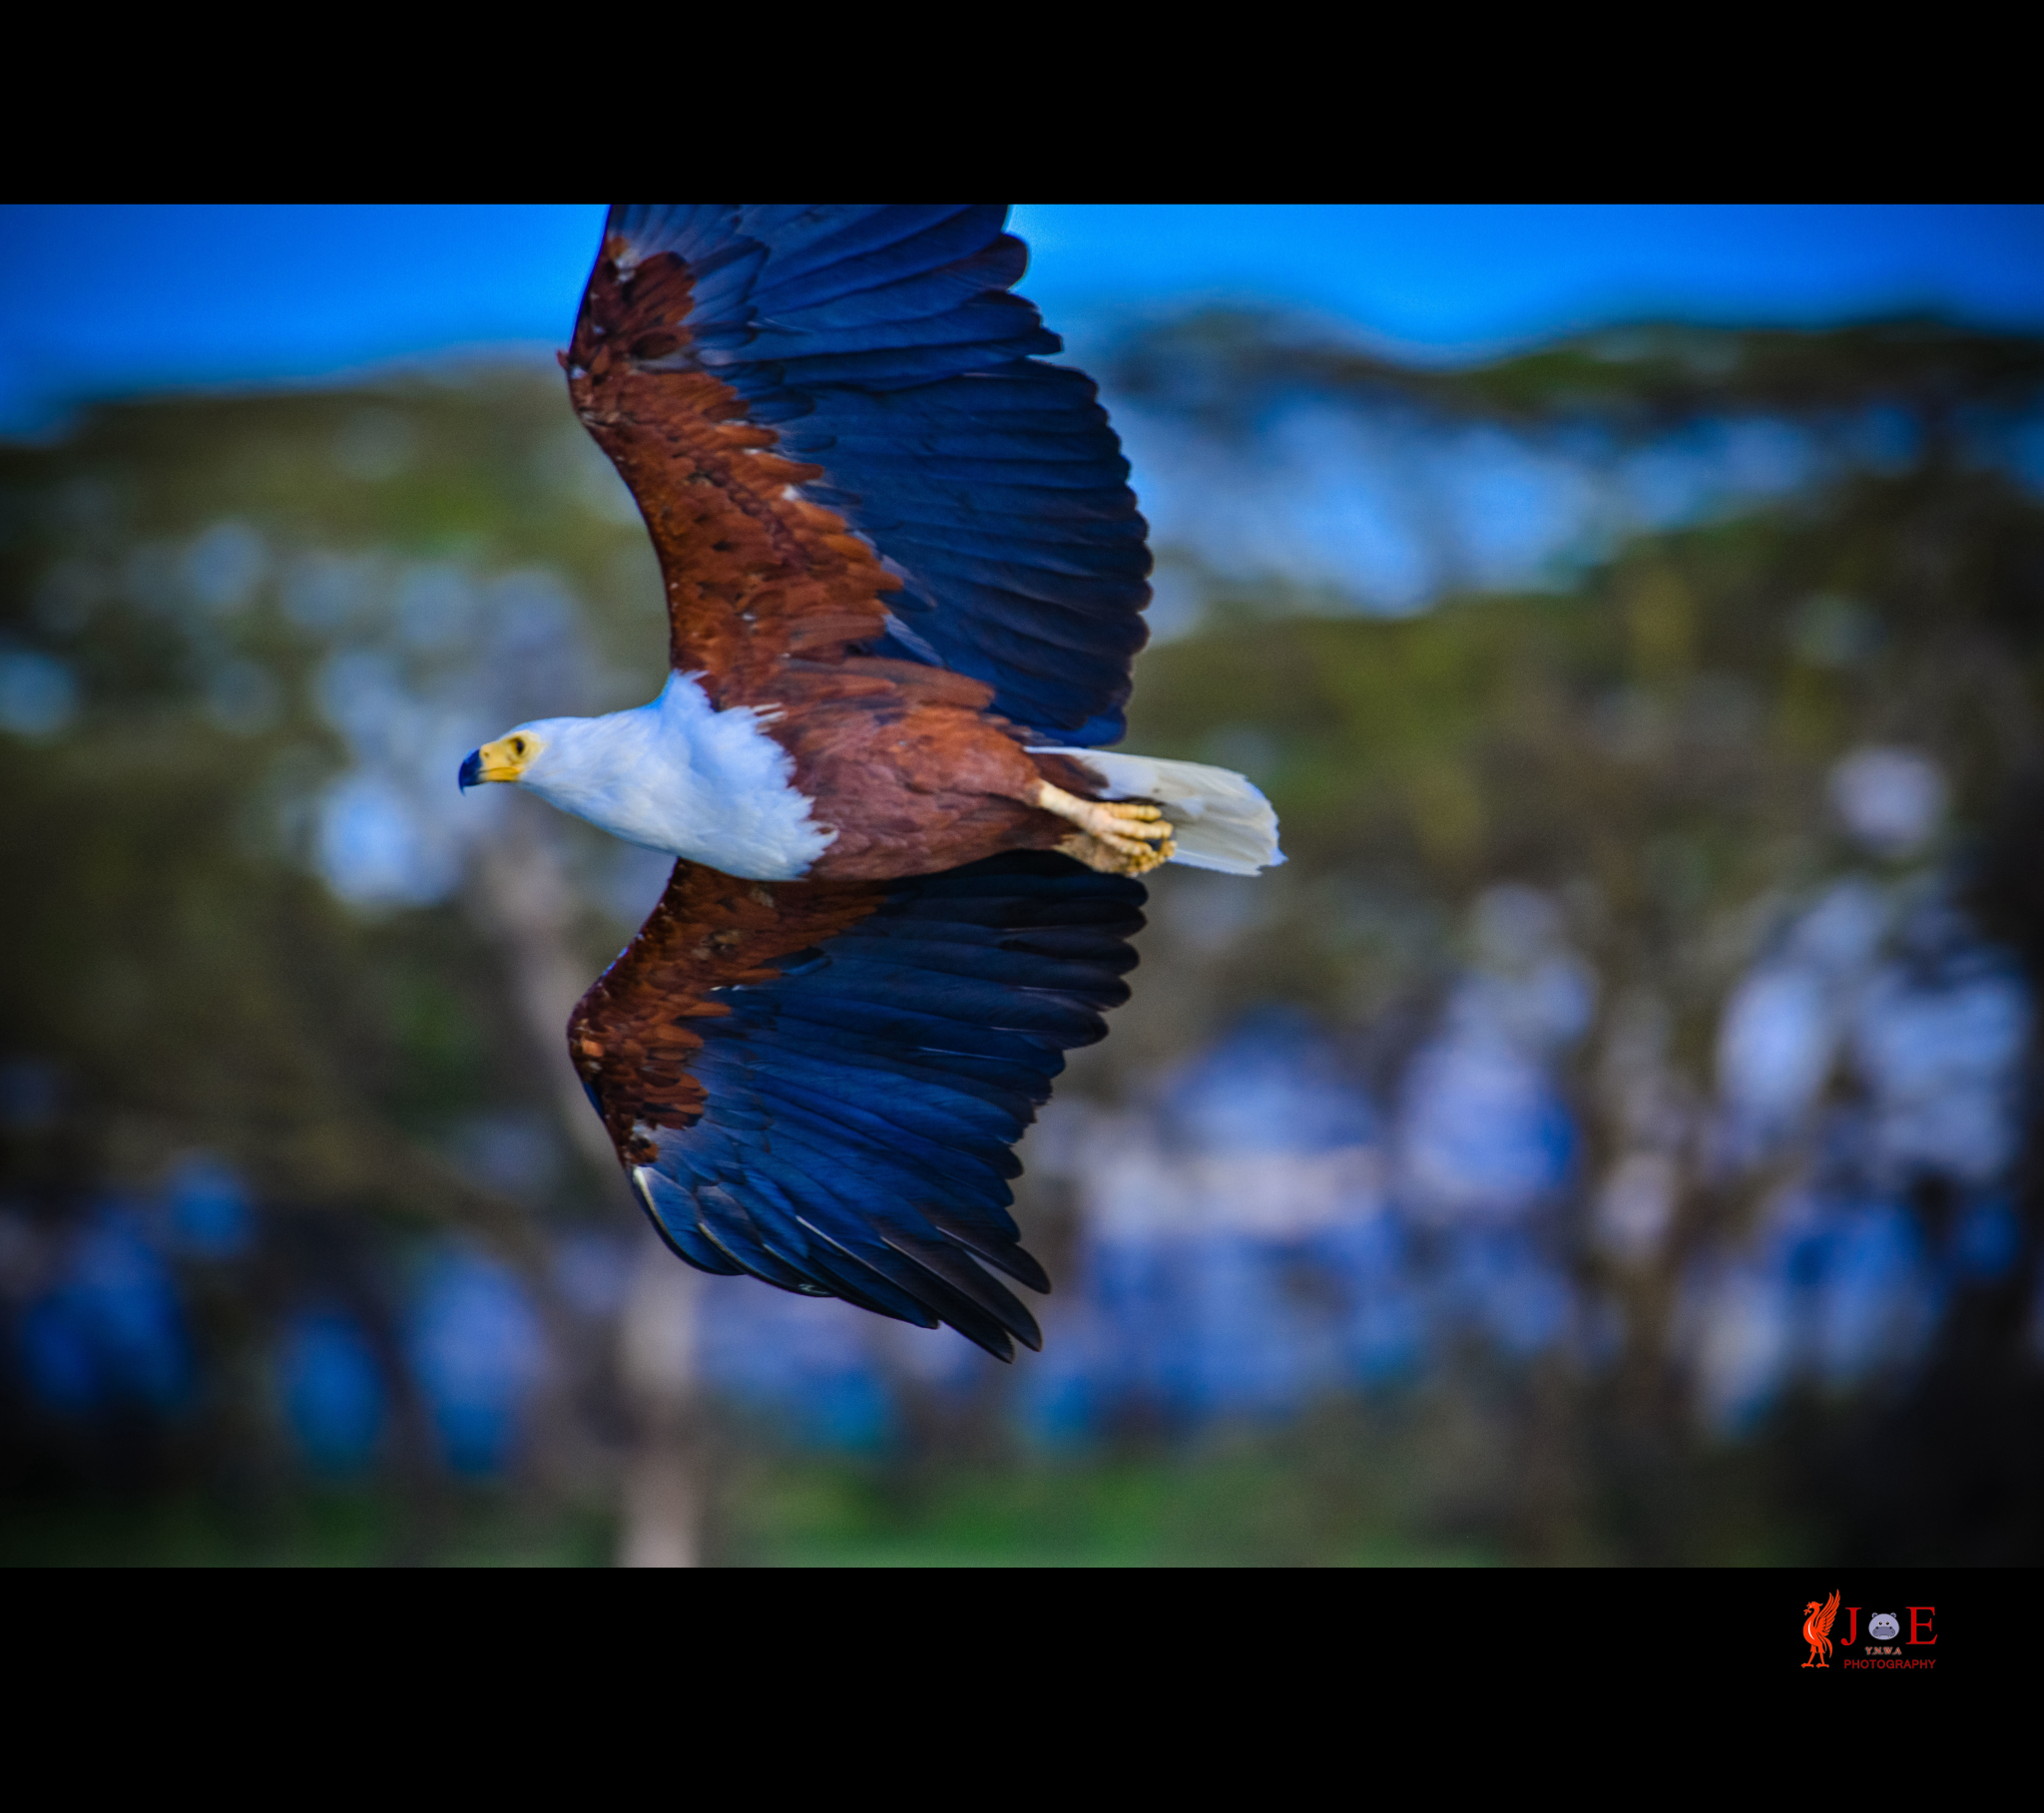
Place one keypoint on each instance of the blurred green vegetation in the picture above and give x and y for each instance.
(1224, 368)
(176, 956)
(1648, 744)
(359, 1527)
(1415, 1481)
(1660, 733)
(1243, 1509)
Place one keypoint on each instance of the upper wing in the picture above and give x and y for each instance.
(820, 1083)
(877, 344)
(1824, 1618)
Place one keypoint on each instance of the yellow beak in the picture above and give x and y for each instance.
(499, 760)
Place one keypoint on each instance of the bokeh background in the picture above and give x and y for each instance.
(1611, 1139)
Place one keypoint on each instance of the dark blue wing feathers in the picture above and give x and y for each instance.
(1006, 1087)
(863, 1105)
(810, 309)
(673, 1215)
(876, 240)
(873, 247)
(932, 493)
(884, 342)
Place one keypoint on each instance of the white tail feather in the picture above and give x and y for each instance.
(1219, 820)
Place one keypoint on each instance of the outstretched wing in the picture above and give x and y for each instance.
(821, 1082)
(839, 437)
(1823, 1618)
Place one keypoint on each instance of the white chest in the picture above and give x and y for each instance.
(680, 777)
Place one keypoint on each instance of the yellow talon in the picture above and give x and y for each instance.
(1121, 856)
(1117, 837)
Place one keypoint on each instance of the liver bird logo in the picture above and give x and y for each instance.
(1817, 1630)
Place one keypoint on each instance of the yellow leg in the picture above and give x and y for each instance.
(1115, 836)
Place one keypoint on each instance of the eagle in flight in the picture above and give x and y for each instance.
(906, 577)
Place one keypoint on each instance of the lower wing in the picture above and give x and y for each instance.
(821, 1083)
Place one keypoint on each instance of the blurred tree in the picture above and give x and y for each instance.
(244, 645)
(257, 935)
(1657, 750)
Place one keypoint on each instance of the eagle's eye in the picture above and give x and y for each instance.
(518, 745)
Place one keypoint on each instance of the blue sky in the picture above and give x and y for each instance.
(99, 300)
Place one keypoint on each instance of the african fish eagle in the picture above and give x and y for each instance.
(906, 577)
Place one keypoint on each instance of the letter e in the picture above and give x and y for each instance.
(1924, 1624)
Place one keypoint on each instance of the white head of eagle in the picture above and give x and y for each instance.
(676, 775)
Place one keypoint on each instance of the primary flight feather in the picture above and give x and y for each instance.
(906, 577)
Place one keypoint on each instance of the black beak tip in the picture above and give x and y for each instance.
(472, 771)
